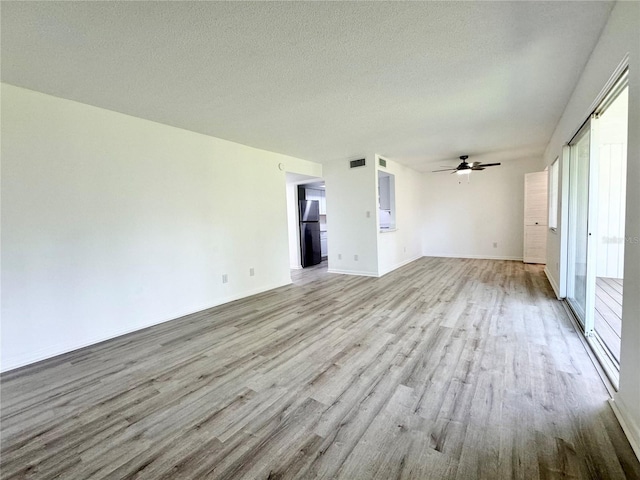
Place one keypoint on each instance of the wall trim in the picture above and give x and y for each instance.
(478, 257)
(57, 350)
(553, 283)
(352, 272)
(401, 264)
(629, 427)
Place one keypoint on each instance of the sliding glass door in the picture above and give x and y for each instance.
(595, 240)
(578, 281)
(610, 208)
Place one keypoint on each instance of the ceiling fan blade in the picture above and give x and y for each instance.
(477, 168)
(488, 164)
(445, 170)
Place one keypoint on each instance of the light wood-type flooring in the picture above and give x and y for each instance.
(442, 369)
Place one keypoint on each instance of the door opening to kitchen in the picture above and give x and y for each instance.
(307, 220)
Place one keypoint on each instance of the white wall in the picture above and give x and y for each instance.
(352, 217)
(399, 247)
(111, 223)
(618, 39)
(463, 218)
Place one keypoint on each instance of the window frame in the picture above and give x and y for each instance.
(554, 187)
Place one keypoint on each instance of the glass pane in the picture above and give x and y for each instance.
(610, 233)
(578, 222)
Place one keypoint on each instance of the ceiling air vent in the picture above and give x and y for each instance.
(382, 162)
(357, 163)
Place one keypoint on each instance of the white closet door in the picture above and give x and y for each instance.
(535, 194)
(535, 244)
(535, 218)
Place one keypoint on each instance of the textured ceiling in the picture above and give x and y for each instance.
(418, 82)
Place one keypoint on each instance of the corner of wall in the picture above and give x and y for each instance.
(630, 428)
(553, 282)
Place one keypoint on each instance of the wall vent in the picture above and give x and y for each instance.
(357, 163)
(382, 161)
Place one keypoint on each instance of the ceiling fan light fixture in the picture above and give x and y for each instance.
(464, 168)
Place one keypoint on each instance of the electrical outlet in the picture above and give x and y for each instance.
(368, 214)
(355, 257)
(252, 272)
(405, 249)
(225, 278)
(495, 244)
(339, 256)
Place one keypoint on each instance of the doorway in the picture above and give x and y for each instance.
(595, 250)
(307, 220)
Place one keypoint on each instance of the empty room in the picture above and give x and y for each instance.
(337, 240)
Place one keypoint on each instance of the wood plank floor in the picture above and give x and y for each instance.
(608, 314)
(443, 369)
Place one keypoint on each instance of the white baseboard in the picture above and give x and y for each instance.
(401, 264)
(629, 426)
(553, 283)
(55, 350)
(295, 267)
(478, 257)
(371, 274)
(352, 272)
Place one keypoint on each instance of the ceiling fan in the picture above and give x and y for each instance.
(466, 168)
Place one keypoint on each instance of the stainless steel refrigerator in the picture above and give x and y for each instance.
(310, 232)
